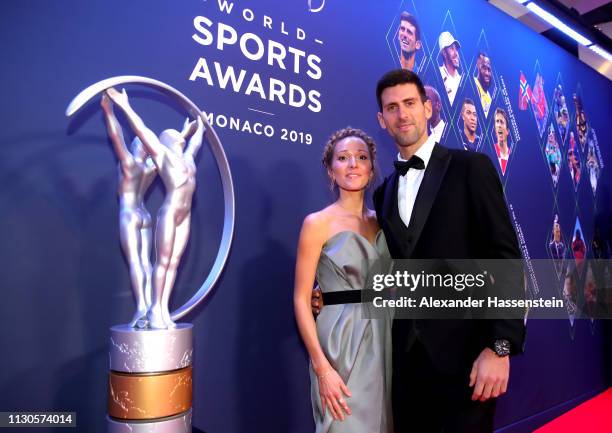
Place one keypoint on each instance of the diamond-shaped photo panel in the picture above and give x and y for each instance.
(483, 77)
(574, 163)
(574, 283)
(558, 250)
(579, 248)
(560, 110)
(502, 142)
(448, 56)
(553, 156)
(468, 126)
(556, 246)
(594, 164)
(406, 40)
(580, 118)
(539, 104)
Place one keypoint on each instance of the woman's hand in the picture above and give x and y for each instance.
(332, 391)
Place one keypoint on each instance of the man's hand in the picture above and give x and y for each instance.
(316, 301)
(489, 375)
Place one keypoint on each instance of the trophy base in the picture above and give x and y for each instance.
(177, 424)
(150, 379)
(134, 350)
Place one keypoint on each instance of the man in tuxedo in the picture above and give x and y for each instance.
(443, 204)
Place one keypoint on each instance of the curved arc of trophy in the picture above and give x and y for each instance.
(222, 164)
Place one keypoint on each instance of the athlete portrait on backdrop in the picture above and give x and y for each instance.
(435, 123)
(483, 81)
(501, 131)
(581, 120)
(409, 37)
(451, 64)
(553, 155)
(561, 113)
(468, 124)
(574, 163)
(593, 162)
(556, 247)
(446, 374)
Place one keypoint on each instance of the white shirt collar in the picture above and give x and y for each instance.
(424, 151)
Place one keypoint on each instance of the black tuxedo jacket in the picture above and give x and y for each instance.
(459, 213)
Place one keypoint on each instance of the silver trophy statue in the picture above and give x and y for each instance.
(175, 165)
(151, 355)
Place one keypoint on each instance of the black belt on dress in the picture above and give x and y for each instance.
(348, 297)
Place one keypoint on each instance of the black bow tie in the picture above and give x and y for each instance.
(403, 166)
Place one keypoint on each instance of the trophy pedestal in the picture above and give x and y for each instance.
(176, 424)
(150, 380)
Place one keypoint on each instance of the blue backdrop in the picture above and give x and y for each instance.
(306, 74)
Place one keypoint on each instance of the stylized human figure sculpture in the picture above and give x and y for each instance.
(136, 173)
(176, 167)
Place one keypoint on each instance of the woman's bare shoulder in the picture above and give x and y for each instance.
(317, 224)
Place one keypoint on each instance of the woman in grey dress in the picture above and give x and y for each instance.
(350, 354)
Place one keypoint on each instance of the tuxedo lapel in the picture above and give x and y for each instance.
(395, 229)
(434, 173)
(390, 200)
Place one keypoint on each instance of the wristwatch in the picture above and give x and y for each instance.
(501, 347)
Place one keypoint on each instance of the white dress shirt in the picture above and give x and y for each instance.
(409, 184)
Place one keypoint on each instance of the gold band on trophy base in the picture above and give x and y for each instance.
(136, 396)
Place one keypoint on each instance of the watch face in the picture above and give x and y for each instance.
(502, 347)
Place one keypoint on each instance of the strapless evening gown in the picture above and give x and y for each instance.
(358, 347)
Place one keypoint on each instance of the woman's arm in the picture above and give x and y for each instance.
(331, 386)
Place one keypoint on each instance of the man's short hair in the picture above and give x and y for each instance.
(396, 77)
(482, 55)
(467, 101)
(405, 16)
(503, 113)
